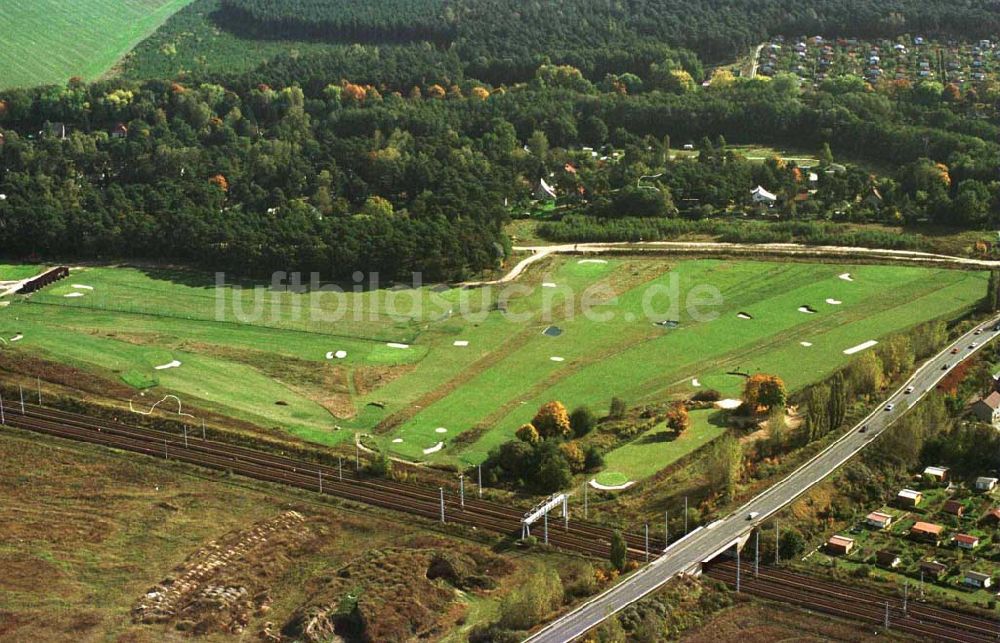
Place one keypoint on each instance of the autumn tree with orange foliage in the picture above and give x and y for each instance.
(355, 92)
(677, 417)
(220, 181)
(552, 420)
(763, 393)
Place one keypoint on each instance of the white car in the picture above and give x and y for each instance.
(889, 407)
(752, 515)
(909, 389)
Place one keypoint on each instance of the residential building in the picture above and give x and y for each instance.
(986, 484)
(939, 474)
(927, 532)
(878, 520)
(933, 569)
(839, 545)
(977, 579)
(909, 498)
(966, 541)
(988, 408)
(886, 558)
(760, 195)
(955, 508)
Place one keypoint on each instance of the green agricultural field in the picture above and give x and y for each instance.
(50, 41)
(445, 374)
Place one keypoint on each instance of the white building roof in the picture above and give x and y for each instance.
(909, 493)
(935, 471)
(760, 194)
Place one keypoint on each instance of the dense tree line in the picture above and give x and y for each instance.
(505, 40)
(383, 21)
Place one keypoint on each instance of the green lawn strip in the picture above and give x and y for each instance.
(380, 315)
(181, 334)
(660, 447)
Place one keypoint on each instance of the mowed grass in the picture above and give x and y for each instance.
(9, 272)
(259, 353)
(660, 447)
(629, 357)
(50, 41)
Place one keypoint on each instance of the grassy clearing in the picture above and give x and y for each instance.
(272, 368)
(660, 447)
(49, 41)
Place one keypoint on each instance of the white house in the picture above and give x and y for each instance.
(975, 579)
(878, 520)
(760, 195)
(544, 191)
(937, 473)
(984, 483)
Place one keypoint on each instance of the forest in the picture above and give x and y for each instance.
(401, 158)
(503, 41)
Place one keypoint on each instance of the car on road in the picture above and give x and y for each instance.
(752, 515)
(954, 351)
(946, 367)
(889, 407)
(973, 345)
(864, 429)
(997, 327)
(979, 331)
(909, 389)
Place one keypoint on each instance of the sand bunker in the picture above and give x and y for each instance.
(807, 309)
(557, 359)
(396, 345)
(163, 367)
(592, 261)
(434, 449)
(552, 331)
(440, 429)
(611, 487)
(398, 441)
(667, 323)
(729, 404)
(834, 302)
(74, 294)
(744, 315)
(860, 347)
(806, 344)
(695, 382)
(846, 276)
(337, 354)
(548, 284)
(82, 287)
(17, 338)
(460, 342)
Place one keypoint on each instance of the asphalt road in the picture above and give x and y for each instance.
(686, 555)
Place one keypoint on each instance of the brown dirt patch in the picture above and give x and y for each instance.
(220, 586)
(371, 378)
(759, 622)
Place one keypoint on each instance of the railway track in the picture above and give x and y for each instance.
(919, 619)
(341, 481)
